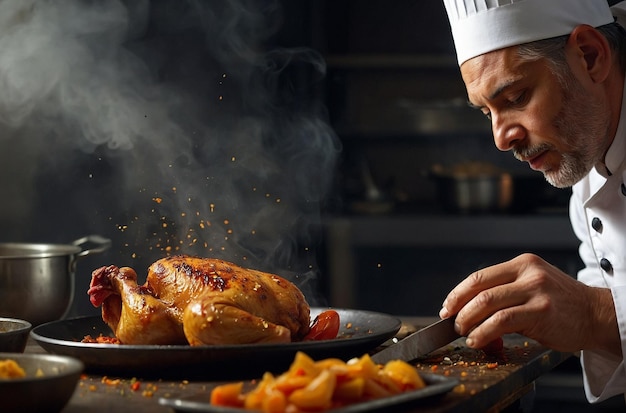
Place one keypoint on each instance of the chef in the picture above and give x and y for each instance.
(549, 74)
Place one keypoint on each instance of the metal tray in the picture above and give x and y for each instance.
(436, 386)
(360, 332)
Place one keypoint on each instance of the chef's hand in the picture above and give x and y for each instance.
(529, 296)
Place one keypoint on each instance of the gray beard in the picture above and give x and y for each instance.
(582, 125)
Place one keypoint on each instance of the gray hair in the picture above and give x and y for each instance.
(553, 49)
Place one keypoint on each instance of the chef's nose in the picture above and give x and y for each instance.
(506, 134)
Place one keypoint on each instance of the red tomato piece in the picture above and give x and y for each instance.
(324, 327)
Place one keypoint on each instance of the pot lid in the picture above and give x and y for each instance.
(25, 250)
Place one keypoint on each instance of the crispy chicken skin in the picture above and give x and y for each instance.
(199, 301)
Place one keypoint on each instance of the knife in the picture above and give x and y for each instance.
(421, 342)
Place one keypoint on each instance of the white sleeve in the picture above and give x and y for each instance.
(604, 375)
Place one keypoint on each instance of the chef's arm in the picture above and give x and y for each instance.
(605, 333)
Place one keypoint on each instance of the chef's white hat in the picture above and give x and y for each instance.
(482, 26)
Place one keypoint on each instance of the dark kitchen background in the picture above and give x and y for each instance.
(297, 137)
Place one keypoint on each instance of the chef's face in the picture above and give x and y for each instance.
(556, 126)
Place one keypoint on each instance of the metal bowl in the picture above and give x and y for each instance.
(49, 383)
(37, 280)
(13, 334)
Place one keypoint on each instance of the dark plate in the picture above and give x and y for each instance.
(437, 386)
(360, 332)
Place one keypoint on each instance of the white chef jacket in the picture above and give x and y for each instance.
(598, 216)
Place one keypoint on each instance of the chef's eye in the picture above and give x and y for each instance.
(518, 99)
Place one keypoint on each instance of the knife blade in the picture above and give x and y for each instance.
(421, 342)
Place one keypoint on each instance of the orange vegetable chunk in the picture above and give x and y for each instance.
(375, 390)
(318, 394)
(275, 401)
(254, 399)
(227, 394)
(363, 367)
(303, 365)
(351, 390)
(287, 383)
(405, 375)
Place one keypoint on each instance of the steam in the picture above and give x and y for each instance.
(172, 125)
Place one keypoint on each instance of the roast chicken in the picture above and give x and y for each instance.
(199, 301)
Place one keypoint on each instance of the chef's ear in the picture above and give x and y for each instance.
(592, 50)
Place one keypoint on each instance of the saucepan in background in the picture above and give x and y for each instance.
(37, 280)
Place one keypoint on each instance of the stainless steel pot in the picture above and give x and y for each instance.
(474, 190)
(476, 194)
(37, 280)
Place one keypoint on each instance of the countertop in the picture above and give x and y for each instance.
(487, 382)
